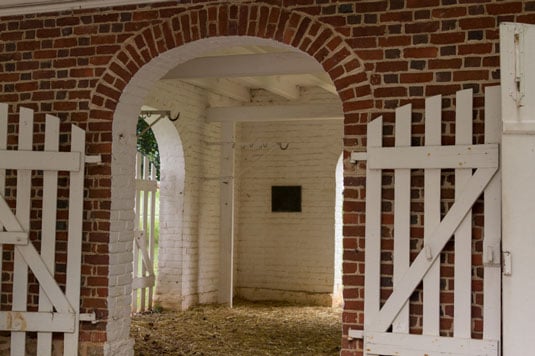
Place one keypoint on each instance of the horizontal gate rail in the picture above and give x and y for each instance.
(418, 345)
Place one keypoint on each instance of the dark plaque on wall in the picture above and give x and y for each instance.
(286, 199)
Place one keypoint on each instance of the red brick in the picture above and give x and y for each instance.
(477, 23)
(420, 52)
(448, 37)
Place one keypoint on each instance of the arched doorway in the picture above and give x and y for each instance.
(322, 43)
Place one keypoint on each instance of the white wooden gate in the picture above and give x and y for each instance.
(58, 310)
(144, 234)
(476, 172)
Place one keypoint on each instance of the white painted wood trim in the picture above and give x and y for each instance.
(465, 156)
(4, 109)
(74, 245)
(280, 86)
(137, 228)
(226, 223)
(470, 192)
(15, 7)
(152, 236)
(10, 221)
(246, 65)
(492, 225)
(48, 227)
(372, 253)
(46, 322)
(146, 185)
(223, 87)
(14, 238)
(431, 282)
(275, 113)
(23, 205)
(402, 209)
(143, 282)
(40, 160)
(419, 345)
(46, 280)
(145, 222)
(141, 243)
(462, 307)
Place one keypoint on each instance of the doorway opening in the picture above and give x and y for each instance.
(239, 135)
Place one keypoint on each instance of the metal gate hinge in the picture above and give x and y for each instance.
(358, 156)
(354, 334)
(506, 263)
(96, 159)
(92, 317)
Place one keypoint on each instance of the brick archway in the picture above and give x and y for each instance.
(251, 20)
(145, 57)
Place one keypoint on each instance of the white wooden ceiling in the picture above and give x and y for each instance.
(238, 72)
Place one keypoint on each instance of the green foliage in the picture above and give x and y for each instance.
(147, 145)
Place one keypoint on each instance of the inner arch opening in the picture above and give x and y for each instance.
(279, 129)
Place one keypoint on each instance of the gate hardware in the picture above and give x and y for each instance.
(162, 113)
(92, 317)
(354, 334)
(507, 263)
(358, 156)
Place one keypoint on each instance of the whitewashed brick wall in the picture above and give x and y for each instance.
(287, 256)
(198, 247)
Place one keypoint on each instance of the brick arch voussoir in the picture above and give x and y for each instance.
(295, 29)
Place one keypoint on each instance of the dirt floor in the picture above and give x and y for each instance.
(247, 329)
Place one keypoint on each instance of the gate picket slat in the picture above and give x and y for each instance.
(492, 225)
(469, 194)
(402, 208)
(20, 268)
(146, 165)
(3, 145)
(372, 281)
(152, 231)
(138, 227)
(48, 226)
(143, 249)
(463, 236)
(74, 243)
(431, 283)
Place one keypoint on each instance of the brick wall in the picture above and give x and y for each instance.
(89, 68)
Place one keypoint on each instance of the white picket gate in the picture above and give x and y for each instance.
(144, 239)
(58, 311)
(476, 172)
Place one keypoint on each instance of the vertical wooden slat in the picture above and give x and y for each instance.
(152, 231)
(137, 226)
(402, 208)
(372, 282)
(463, 235)
(48, 235)
(74, 244)
(23, 204)
(3, 145)
(146, 175)
(492, 225)
(431, 282)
